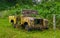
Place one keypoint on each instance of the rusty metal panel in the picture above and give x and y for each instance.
(29, 12)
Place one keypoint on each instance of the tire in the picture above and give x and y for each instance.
(14, 25)
(46, 28)
(27, 28)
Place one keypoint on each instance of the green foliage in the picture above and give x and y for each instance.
(24, 1)
(45, 9)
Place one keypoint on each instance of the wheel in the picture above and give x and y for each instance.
(27, 28)
(14, 25)
(47, 27)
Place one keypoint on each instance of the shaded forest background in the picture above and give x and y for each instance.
(46, 6)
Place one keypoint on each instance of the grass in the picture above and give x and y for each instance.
(7, 31)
